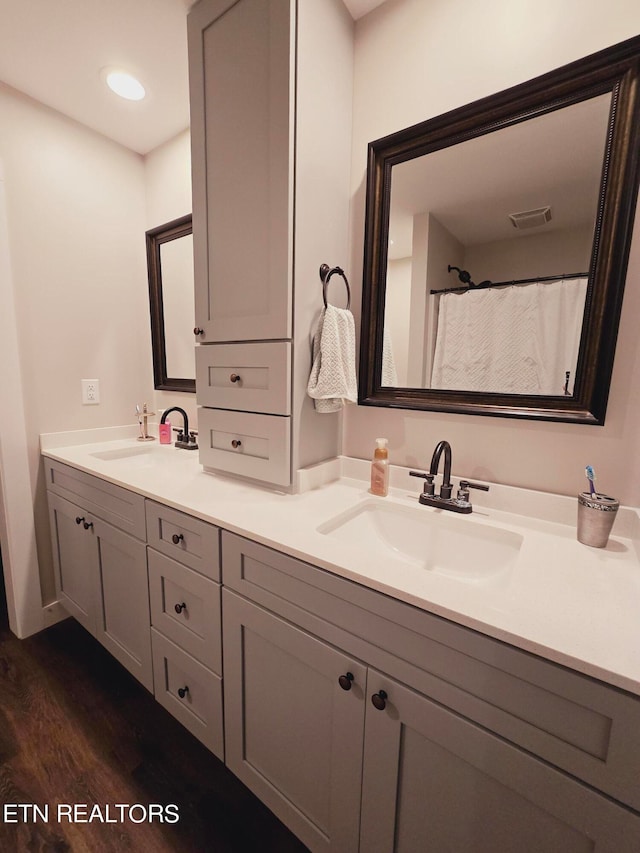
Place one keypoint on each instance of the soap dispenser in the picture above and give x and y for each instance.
(380, 469)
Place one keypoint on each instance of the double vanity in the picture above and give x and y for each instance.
(377, 672)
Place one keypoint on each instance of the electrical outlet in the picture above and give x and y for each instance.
(90, 392)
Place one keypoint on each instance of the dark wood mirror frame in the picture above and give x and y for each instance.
(155, 238)
(615, 70)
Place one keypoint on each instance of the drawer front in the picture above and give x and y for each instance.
(585, 727)
(256, 446)
(186, 608)
(246, 377)
(120, 507)
(189, 691)
(184, 538)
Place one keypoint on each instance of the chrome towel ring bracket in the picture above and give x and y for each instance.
(325, 274)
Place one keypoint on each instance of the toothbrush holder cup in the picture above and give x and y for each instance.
(596, 514)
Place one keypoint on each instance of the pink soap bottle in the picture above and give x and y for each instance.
(164, 432)
(380, 469)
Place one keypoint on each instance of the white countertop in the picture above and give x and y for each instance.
(575, 605)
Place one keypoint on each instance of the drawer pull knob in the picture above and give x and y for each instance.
(235, 377)
(182, 691)
(345, 681)
(236, 443)
(79, 520)
(198, 331)
(180, 607)
(177, 538)
(379, 700)
(87, 525)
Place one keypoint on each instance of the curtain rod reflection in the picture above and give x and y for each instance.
(464, 276)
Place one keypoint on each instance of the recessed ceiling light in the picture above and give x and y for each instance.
(125, 85)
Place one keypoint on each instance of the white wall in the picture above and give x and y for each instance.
(167, 174)
(531, 254)
(414, 60)
(77, 206)
(76, 221)
(168, 180)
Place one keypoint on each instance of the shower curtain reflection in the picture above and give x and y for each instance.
(520, 339)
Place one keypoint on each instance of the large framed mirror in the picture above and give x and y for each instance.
(171, 301)
(496, 246)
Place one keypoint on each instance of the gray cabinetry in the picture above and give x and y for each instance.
(101, 570)
(74, 561)
(122, 599)
(433, 780)
(241, 81)
(293, 734)
(186, 620)
(473, 739)
(367, 725)
(271, 149)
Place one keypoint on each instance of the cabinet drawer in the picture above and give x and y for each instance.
(199, 708)
(184, 538)
(247, 377)
(585, 727)
(186, 608)
(252, 445)
(120, 507)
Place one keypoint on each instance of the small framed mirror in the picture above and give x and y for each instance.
(498, 234)
(170, 270)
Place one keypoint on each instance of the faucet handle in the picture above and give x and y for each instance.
(465, 485)
(428, 488)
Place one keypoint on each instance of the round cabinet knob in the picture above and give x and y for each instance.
(182, 691)
(236, 443)
(235, 377)
(79, 520)
(87, 525)
(379, 700)
(345, 681)
(177, 538)
(198, 331)
(180, 607)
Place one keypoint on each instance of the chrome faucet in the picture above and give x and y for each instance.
(186, 440)
(461, 502)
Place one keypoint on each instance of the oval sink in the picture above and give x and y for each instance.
(432, 541)
(139, 456)
(122, 453)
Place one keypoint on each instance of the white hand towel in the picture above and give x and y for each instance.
(333, 372)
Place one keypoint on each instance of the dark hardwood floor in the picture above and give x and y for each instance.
(76, 728)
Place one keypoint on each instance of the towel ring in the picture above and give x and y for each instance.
(325, 274)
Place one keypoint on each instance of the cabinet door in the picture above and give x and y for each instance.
(74, 558)
(433, 781)
(123, 623)
(292, 733)
(241, 132)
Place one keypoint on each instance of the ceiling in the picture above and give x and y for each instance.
(55, 50)
(553, 159)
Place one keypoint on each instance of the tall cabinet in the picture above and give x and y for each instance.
(271, 103)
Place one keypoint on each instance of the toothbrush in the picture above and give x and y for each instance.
(591, 477)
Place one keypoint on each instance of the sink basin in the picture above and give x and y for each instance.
(431, 541)
(122, 453)
(138, 456)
